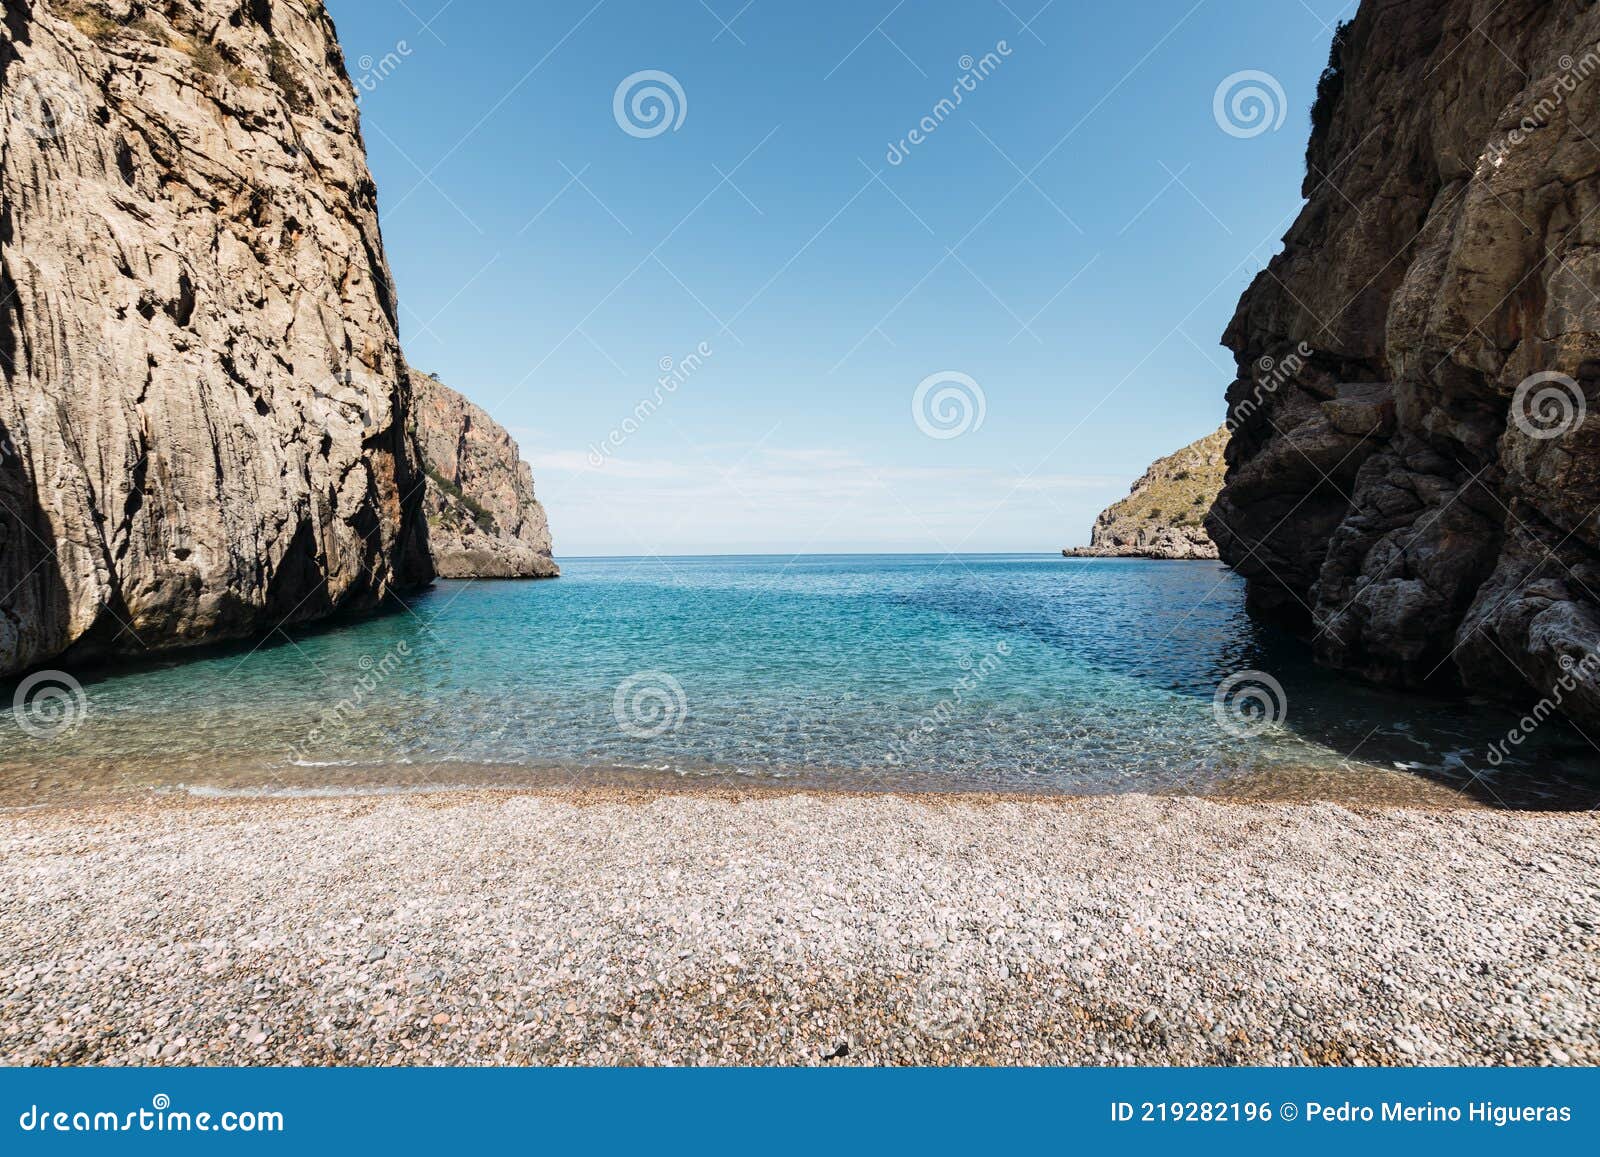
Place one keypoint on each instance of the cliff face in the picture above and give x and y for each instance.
(1415, 471)
(203, 421)
(483, 518)
(1162, 515)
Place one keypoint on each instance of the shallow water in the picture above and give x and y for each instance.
(987, 673)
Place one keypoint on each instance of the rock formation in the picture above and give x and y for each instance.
(1415, 469)
(1162, 517)
(483, 519)
(203, 419)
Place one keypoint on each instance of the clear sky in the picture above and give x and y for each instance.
(1072, 237)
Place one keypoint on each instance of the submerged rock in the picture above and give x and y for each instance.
(204, 418)
(1163, 515)
(1415, 464)
(483, 518)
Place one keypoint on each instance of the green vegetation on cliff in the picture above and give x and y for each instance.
(1163, 515)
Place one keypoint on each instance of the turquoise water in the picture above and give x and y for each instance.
(1004, 673)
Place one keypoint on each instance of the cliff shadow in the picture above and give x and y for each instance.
(1458, 743)
(33, 593)
(90, 668)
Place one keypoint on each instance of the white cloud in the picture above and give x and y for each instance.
(728, 498)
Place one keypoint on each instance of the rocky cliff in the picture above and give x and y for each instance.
(1415, 472)
(203, 420)
(1162, 517)
(483, 518)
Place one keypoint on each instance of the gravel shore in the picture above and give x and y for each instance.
(616, 927)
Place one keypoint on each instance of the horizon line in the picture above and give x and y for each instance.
(819, 554)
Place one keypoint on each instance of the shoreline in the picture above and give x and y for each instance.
(1424, 795)
(1077, 552)
(34, 788)
(620, 926)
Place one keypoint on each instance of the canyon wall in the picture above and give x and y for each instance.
(1414, 474)
(204, 428)
(483, 518)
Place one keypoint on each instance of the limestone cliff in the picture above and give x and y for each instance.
(1417, 494)
(483, 518)
(1162, 517)
(203, 419)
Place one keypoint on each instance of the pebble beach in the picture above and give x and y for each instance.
(726, 927)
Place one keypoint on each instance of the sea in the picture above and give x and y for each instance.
(908, 673)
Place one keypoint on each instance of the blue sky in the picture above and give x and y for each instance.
(1072, 238)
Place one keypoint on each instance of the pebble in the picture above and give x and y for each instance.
(613, 927)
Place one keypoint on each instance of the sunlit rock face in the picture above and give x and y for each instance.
(483, 518)
(204, 427)
(1163, 514)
